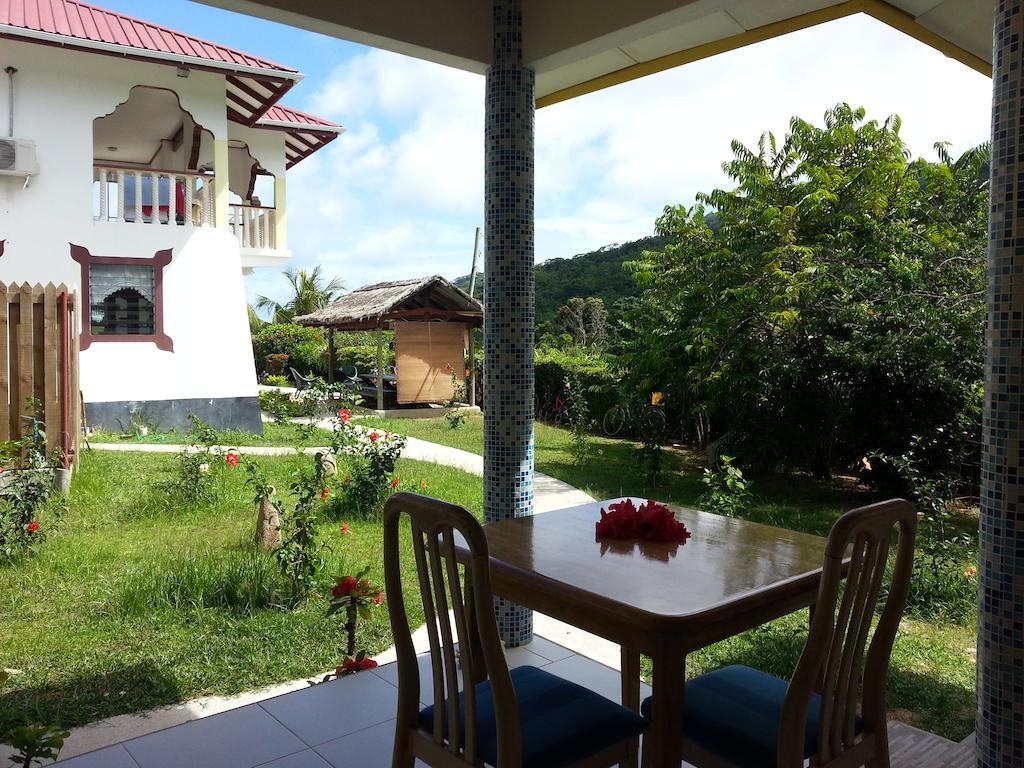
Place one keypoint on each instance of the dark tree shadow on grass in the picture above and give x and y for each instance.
(74, 701)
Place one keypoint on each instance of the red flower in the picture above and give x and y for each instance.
(651, 522)
(377, 598)
(374, 437)
(346, 586)
(344, 414)
(344, 529)
(394, 483)
(232, 460)
(367, 664)
(325, 493)
(33, 527)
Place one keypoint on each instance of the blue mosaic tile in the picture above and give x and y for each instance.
(508, 296)
(1000, 715)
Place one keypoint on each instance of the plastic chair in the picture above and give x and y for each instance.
(741, 717)
(482, 712)
(301, 382)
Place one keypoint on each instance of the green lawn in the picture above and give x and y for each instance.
(280, 435)
(89, 625)
(87, 630)
(800, 504)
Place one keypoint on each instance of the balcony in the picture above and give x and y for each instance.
(256, 229)
(153, 196)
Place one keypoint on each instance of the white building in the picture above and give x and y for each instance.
(146, 169)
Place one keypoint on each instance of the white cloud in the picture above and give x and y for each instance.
(400, 193)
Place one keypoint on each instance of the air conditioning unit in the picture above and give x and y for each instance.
(18, 157)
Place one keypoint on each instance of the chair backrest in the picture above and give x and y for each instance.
(434, 527)
(301, 382)
(350, 372)
(833, 662)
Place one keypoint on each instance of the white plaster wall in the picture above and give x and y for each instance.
(58, 94)
(265, 145)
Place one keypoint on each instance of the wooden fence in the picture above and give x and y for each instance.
(39, 358)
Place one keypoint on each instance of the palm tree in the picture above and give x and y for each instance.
(309, 292)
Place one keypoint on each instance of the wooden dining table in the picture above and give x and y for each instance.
(662, 600)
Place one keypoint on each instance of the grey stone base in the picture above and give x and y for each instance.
(241, 413)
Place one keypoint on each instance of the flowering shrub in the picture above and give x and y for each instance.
(277, 364)
(26, 484)
(354, 597)
(199, 471)
(373, 456)
(300, 557)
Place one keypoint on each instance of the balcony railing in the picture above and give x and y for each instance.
(255, 226)
(153, 196)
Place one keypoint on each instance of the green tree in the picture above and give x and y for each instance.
(309, 291)
(828, 307)
(585, 320)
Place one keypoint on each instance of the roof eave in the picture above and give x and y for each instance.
(160, 57)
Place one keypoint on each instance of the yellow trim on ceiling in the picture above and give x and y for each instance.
(877, 9)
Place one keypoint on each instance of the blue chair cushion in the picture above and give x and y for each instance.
(561, 722)
(734, 713)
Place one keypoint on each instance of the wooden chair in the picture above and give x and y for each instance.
(738, 717)
(526, 718)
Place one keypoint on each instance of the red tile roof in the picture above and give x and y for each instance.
(305, 133)
(282, 114)
(253, 84)
(98, 25)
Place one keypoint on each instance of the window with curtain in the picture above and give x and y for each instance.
(121, 299)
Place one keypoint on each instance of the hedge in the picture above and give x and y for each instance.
(305, 347)
(594, 372)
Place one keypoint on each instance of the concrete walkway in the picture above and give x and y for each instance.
(549, 493)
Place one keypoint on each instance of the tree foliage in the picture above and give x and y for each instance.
(830, 305)
(309, 291)
(585, 320)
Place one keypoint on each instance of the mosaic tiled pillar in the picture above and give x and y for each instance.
(508, 295)
(1000, 718)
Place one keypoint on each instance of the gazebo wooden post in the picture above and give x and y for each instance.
(330, 355)
(471, 367)
(380, 368)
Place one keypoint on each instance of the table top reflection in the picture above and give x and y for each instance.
(726, 561)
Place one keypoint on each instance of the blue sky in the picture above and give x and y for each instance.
(400, 193)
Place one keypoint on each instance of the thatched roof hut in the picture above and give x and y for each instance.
(382, 304)
(432, 320)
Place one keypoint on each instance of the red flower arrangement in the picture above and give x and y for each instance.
(651, 522)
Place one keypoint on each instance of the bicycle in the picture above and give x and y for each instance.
(650, 418)
(554, 413)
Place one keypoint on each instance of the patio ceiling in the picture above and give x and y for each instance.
(579, 46)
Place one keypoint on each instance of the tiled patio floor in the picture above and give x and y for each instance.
(347, 723)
